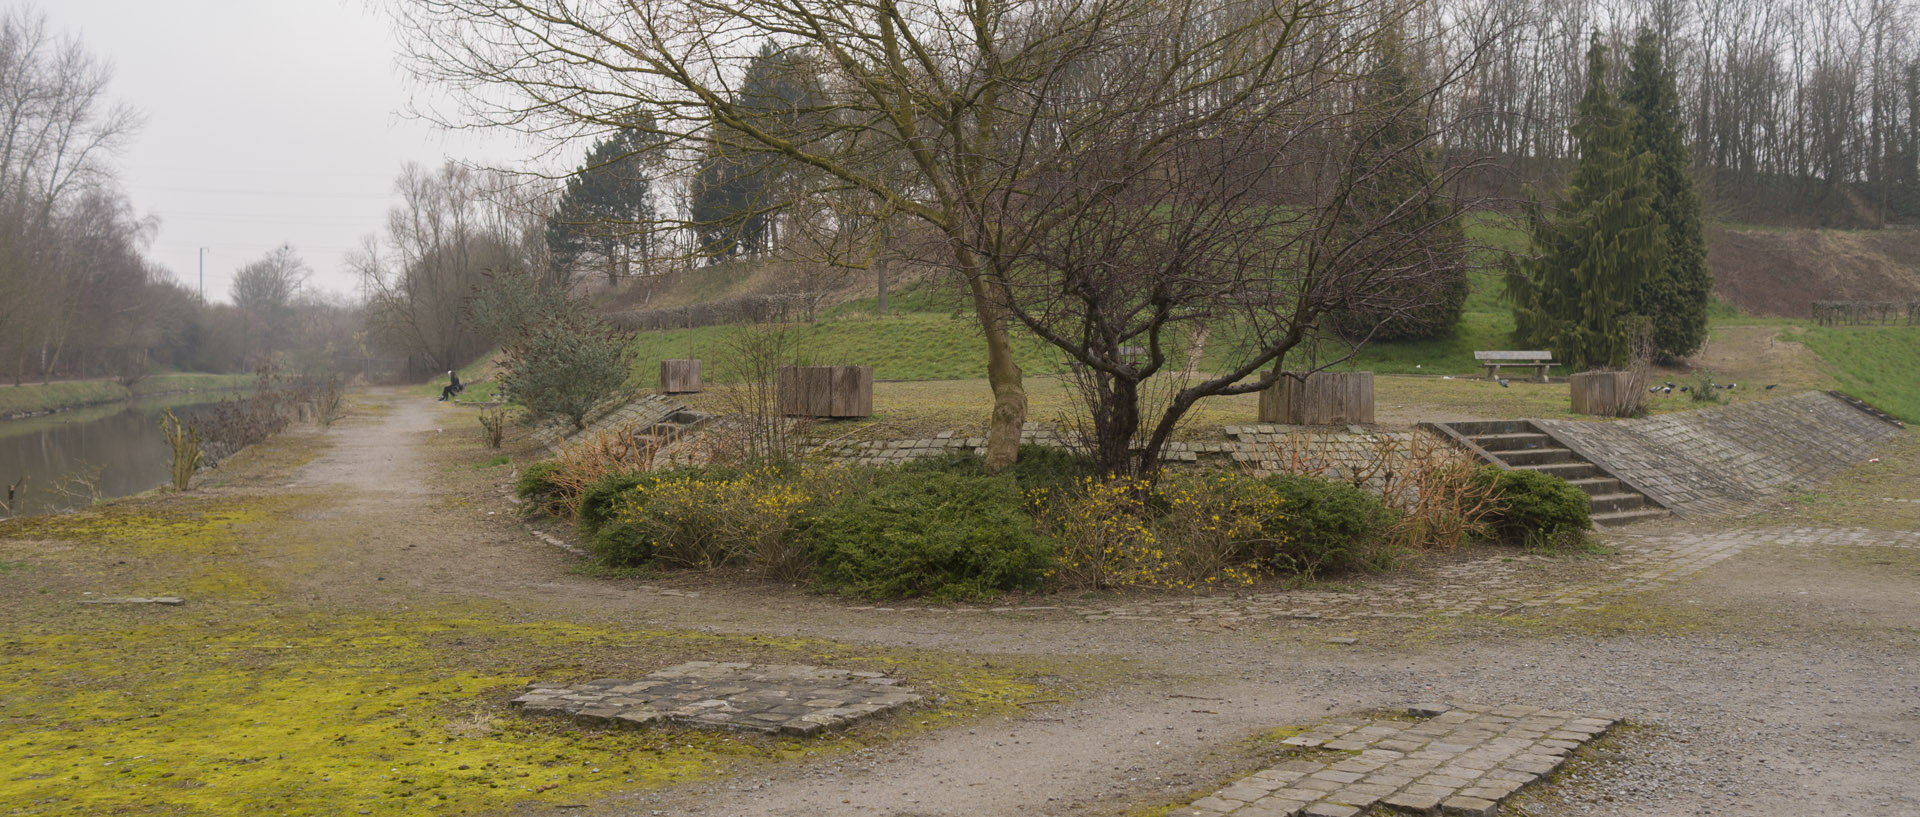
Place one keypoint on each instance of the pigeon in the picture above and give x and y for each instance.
(1685, 389)
(1669, 384)
(1654, 390)
(1770, 386)
(1503, 382)
(1668, 389)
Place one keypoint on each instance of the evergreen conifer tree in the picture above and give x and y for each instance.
(1574, 293)
(1395, 203)
(606, 205)
(736, 192)
(1674, 296)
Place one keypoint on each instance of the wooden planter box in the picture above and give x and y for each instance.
(825, 391)
(1605, 394)
(1322, 398)
(680, 376)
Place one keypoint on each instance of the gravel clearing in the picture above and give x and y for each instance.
(1777, 681)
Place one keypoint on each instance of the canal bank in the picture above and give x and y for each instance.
(33, 400)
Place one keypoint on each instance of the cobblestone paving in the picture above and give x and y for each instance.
(792, 699)
(1717, 460)
(1459, 760)
(1494, 585)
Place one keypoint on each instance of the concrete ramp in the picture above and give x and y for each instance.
(1722, 459)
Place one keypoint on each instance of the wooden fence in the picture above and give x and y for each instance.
(1320, 398)
(825, 391)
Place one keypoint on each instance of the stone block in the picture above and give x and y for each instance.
(1469, 806)
(1412, 801)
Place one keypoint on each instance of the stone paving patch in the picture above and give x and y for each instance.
(1496, 585)
(1457, 760)
(1501, 583)
(786, 699)
(1719, 460)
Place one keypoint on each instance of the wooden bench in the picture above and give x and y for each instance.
(1495, 361)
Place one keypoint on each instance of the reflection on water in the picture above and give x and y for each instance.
(69, 457)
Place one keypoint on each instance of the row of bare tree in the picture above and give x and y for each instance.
(1799, 111)
(78, 296)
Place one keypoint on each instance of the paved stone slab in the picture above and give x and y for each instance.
(1718, 460)
(786, 699)
(1326, 782)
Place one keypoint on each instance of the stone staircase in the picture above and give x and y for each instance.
(1519, 444)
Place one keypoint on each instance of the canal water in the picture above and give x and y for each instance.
(70, 458)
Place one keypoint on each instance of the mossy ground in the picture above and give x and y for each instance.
(147, 711)
(259, 696)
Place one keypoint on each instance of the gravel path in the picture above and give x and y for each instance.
(1764, 670)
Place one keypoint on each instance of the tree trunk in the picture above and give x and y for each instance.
(880, 272)
(1003, 374)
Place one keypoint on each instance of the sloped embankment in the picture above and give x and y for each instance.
(1777, 273)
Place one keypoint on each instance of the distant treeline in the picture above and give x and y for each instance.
(78, 296)
(1799, 112)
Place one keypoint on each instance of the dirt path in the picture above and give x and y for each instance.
(1776, 682)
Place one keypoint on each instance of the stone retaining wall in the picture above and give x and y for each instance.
(1261, 448)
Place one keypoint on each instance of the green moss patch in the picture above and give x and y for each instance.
(400, 715)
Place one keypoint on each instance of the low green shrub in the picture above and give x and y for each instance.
(613, 542)
(1536, 509)
(1041, 466)
(536, 485)
(1329, 526)
(933, 533)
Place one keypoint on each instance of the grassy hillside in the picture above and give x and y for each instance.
(913, 346)
(1878, 364)
(931, 335)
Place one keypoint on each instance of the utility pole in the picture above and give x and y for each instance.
(203, 274)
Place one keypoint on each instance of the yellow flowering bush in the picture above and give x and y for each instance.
(702, 519)
(1183, 532)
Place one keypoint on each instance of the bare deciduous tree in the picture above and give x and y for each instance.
(455, 228)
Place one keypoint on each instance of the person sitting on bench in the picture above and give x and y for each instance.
(452, 388)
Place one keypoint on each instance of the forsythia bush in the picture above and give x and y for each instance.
(704, 519)
(1185, 532)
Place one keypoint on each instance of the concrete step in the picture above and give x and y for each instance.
(1512, 442)
(1597, 485)
(1537, 456)
(1475, 428)
(1612, 503)
(1565, 470)
(1617, 518)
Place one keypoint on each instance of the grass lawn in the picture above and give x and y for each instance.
(1878, 364)
(912, 346)
(905, 410)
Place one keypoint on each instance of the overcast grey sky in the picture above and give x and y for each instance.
(268, 122)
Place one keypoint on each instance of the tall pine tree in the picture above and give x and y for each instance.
(1674, 296)
(606, 209)
(1574, 293)
(1394, 216)
(737, 192)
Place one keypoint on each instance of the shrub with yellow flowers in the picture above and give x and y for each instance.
(700, 519)
(1182, 532)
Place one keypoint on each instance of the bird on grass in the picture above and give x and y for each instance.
(1770, 387)
(1685, 389)
(1503, 382)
